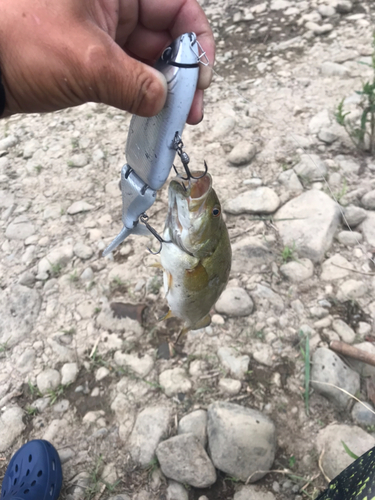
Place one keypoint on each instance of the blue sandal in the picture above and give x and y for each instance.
(34, 473)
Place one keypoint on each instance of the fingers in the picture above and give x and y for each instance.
(196, 110)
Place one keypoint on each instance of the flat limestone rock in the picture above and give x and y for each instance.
(313, 218)
(250, 253)
(241, 440)
(262, 200)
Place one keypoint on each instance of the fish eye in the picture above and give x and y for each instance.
(216, 212)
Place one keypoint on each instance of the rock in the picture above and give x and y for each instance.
(48, 380)
(87, 275)
(327, 368)
(140, 365)
(349, 238)
(368, 228)
(241, 440)
(61, 406)
(30, 148)
(79, 207)
(11, 425)
(329, 68)
(151, 426)
(344, 6)
(229, 386)
(234, 301)
(195, 423)
(344, 331)
(107, 321)
(174, 381)
(55, 260)
(176, 491)
(319, 29)
(319, 121)
(310, 168)
(262, 200)
(264, 297)
(297, 270)
(335, 459)
(222, 128)
(290, 181)
(354, 215)
(250, 253)
(237, 364)
(326, 10)
(20, 228)
(19, 310)
(316, 217)
(328, 136)
(78, 160)
(65, 454)
(26, 362)
(363, 414)
(368, 200)
(347, 165)
(102, 373)
(351, 290)
(82, 251)
(184, 459)
(242, 153)
(69, 373)
(334, 268)
(364, 369)
(8, 142)
(251, 492)
(263, 354)
(280, 4)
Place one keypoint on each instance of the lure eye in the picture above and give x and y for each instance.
(216, 212)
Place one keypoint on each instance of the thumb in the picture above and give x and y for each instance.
(119, 80)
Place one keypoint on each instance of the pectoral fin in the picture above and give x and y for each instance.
(196, 279)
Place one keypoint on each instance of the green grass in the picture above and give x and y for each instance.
(288, 253)
(55, 394)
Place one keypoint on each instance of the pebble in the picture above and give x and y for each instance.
(326, 10)
(48, 380)
(262, 200)
(368, 228)
(347, 165)
(290, 181)
(65, 454)
(363, 414)
(310, 168)
(241, 440)
(354, 215)
(19, 310)
(318, 29)
(250, 253)
(344, 331)
(78, 160)
(174, 381)
(222, 128)
(315, 218)
(20, 229)
(79, 207)
(11, 426)
(328, 368)
(195, 423)
(101, 373)
(349, 238)
(139, 365)
(264, 297)
(242, 153)
(25, 363)
(253, 492)
(69, 373)
(298, 270)
(176, 491)
(87, 275)
(344, 6)
(335, 459)
(83, 251)
(184, 459)
(263, 353)
(61, 406)
(326, 135)
(55, 260)
(368, 200)
(230, 386)
(334, 268)
(235, 301)
(330, 68)
(351, 290)
(232, 360)
(8, 142)
(319, 121)
(151, 426)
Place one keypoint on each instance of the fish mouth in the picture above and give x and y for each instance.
(193, 189)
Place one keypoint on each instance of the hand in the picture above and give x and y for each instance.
(60, 53)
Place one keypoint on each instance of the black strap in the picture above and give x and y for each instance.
(2, 96)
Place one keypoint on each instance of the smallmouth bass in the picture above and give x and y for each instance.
(196, 256)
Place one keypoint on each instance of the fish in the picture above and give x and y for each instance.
(356, 482)
(196, 253)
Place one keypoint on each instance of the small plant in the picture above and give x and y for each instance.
(292, 462)
(73, 277)
(34, 391)
(56, 269)
(4, 346)
(55, 394)
(152, 466)
(31, 411)
(343, 191)
(94, 484)
(97, 310)
(288, 253)
(38, 169)
(362, 133)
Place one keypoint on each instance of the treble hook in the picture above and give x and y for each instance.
(144, 218)
(178, 144)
